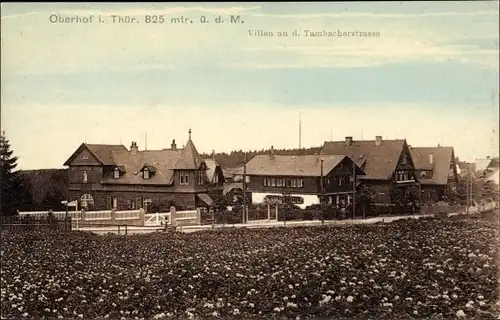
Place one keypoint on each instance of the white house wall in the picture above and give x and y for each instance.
(258, 197)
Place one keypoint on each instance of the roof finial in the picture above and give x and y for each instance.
(189, 133)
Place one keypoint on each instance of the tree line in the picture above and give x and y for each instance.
(236, 159)
(31, 190)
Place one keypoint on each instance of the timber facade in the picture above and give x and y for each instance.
(113, 177)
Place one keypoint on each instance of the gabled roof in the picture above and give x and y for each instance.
(284, 165)
(211, 164)
(161, 163)
(441, 160)
(492, 175)
(494, 163)
(102, 152)
(378, 162)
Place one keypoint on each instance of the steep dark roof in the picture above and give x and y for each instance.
(104, 152)
(189, 158)
(282, 165)
(163, 162)
(378, 162)
(441, 159)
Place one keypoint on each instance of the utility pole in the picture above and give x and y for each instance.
(353, 190)
(467, 194)
(245, 218)
(322, 190)
(470, 190)
(300, 131)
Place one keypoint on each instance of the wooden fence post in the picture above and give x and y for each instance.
(142, 217)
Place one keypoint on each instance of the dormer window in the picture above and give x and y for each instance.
(116, 173)
(423, 175)
(85, 178)
(145, 173)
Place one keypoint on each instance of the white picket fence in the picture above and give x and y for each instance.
(176, 218)
(103, 215)
(157, 219)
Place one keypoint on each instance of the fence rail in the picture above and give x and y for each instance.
(21, 223)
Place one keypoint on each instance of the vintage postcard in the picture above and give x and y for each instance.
(328, 160)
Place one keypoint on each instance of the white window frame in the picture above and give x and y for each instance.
(85, 177)
(279, 182)
(184, 178)
(146, 203)
(116, 173)
(86, 199)
(294, 183)
(200, 177)
(300, 183)
(145, 173)
(115, 203)
(216, 178)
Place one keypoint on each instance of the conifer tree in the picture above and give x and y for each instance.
(12, 190)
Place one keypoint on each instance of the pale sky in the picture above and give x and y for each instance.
(431, 76)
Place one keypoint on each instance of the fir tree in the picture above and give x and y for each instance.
(12, 184)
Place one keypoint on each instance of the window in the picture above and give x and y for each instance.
(116, 173)
(273, 182)
(300, 183)
(146, 203)
(265, 182)
(130, 204)
(184, 177)
(85, 178)
(146, 173)
(108, 203)
(288, 183)
(216, 178)
(280, 182)
(115, 203)
(85, 157)
(200, 177)
(294, 183)
(87, 200)
(138, 202)
(341, 181)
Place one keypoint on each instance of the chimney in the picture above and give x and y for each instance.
(378, 140)
(133, 147)
(348, 141)
(173, 146)
(213, 154)
(431, 158)
(271, 152)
